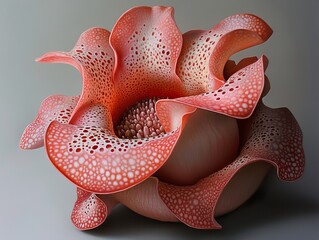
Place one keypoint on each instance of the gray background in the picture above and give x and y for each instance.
(36, 201)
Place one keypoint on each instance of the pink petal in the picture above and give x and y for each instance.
(205, 53)
(231, 68)
(94, 58)
(271, 135)
(94, 115)
(208, 143)
(97, 161)
(55, 107)
(237, 98)
(147, 43)
(145, 200)
(89, 210)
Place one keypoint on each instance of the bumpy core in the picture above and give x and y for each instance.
(140, 121)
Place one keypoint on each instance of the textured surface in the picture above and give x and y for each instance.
(236, 98)
(273, 136)
(293, 65)
(140, 121)
(94, 58)
(89, 211)
(147, 43)
(204, 54)
(59, 108)
(97, 161)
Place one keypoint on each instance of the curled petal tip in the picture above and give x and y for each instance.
(41, 58)
(26, 144)
(169, 9)
(237, 98)
(213, 48)
(89, 211)
(251, 22)
(53, 57)
(56, 107)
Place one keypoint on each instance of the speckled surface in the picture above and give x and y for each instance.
(36, 200)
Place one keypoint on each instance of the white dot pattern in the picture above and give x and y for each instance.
(94, 115)
(55, 107)
(100, 162)
(237, 98)
(147, 44)
(94, 58)
(89, 211)
(273, 136)
(204, 53)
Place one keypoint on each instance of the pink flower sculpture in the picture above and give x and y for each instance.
(165, 123)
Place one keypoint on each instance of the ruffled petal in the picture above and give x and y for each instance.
(147, 43)
(237, 98)
(89, 210)
(55, 107)
(272, 136)
(97, 161)
(231, 68)
(94, 58)
(145, 200)
(205, 53)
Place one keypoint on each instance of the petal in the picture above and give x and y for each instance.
(147, 43)
(89, 210)
(272, 136)
(145, 200)
(205, 53)
(94, 115)
(55, 107)
(97, 161)
(94, 58)
(237, 98)
(231, 68)
(208, 143)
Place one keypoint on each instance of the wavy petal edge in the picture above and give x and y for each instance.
(89, 211)
(198, 204)
(55, 107)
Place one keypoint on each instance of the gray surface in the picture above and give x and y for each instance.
(36, 200)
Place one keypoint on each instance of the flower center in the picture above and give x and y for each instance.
(140, 121)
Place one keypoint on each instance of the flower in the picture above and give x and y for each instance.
(165, 123)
